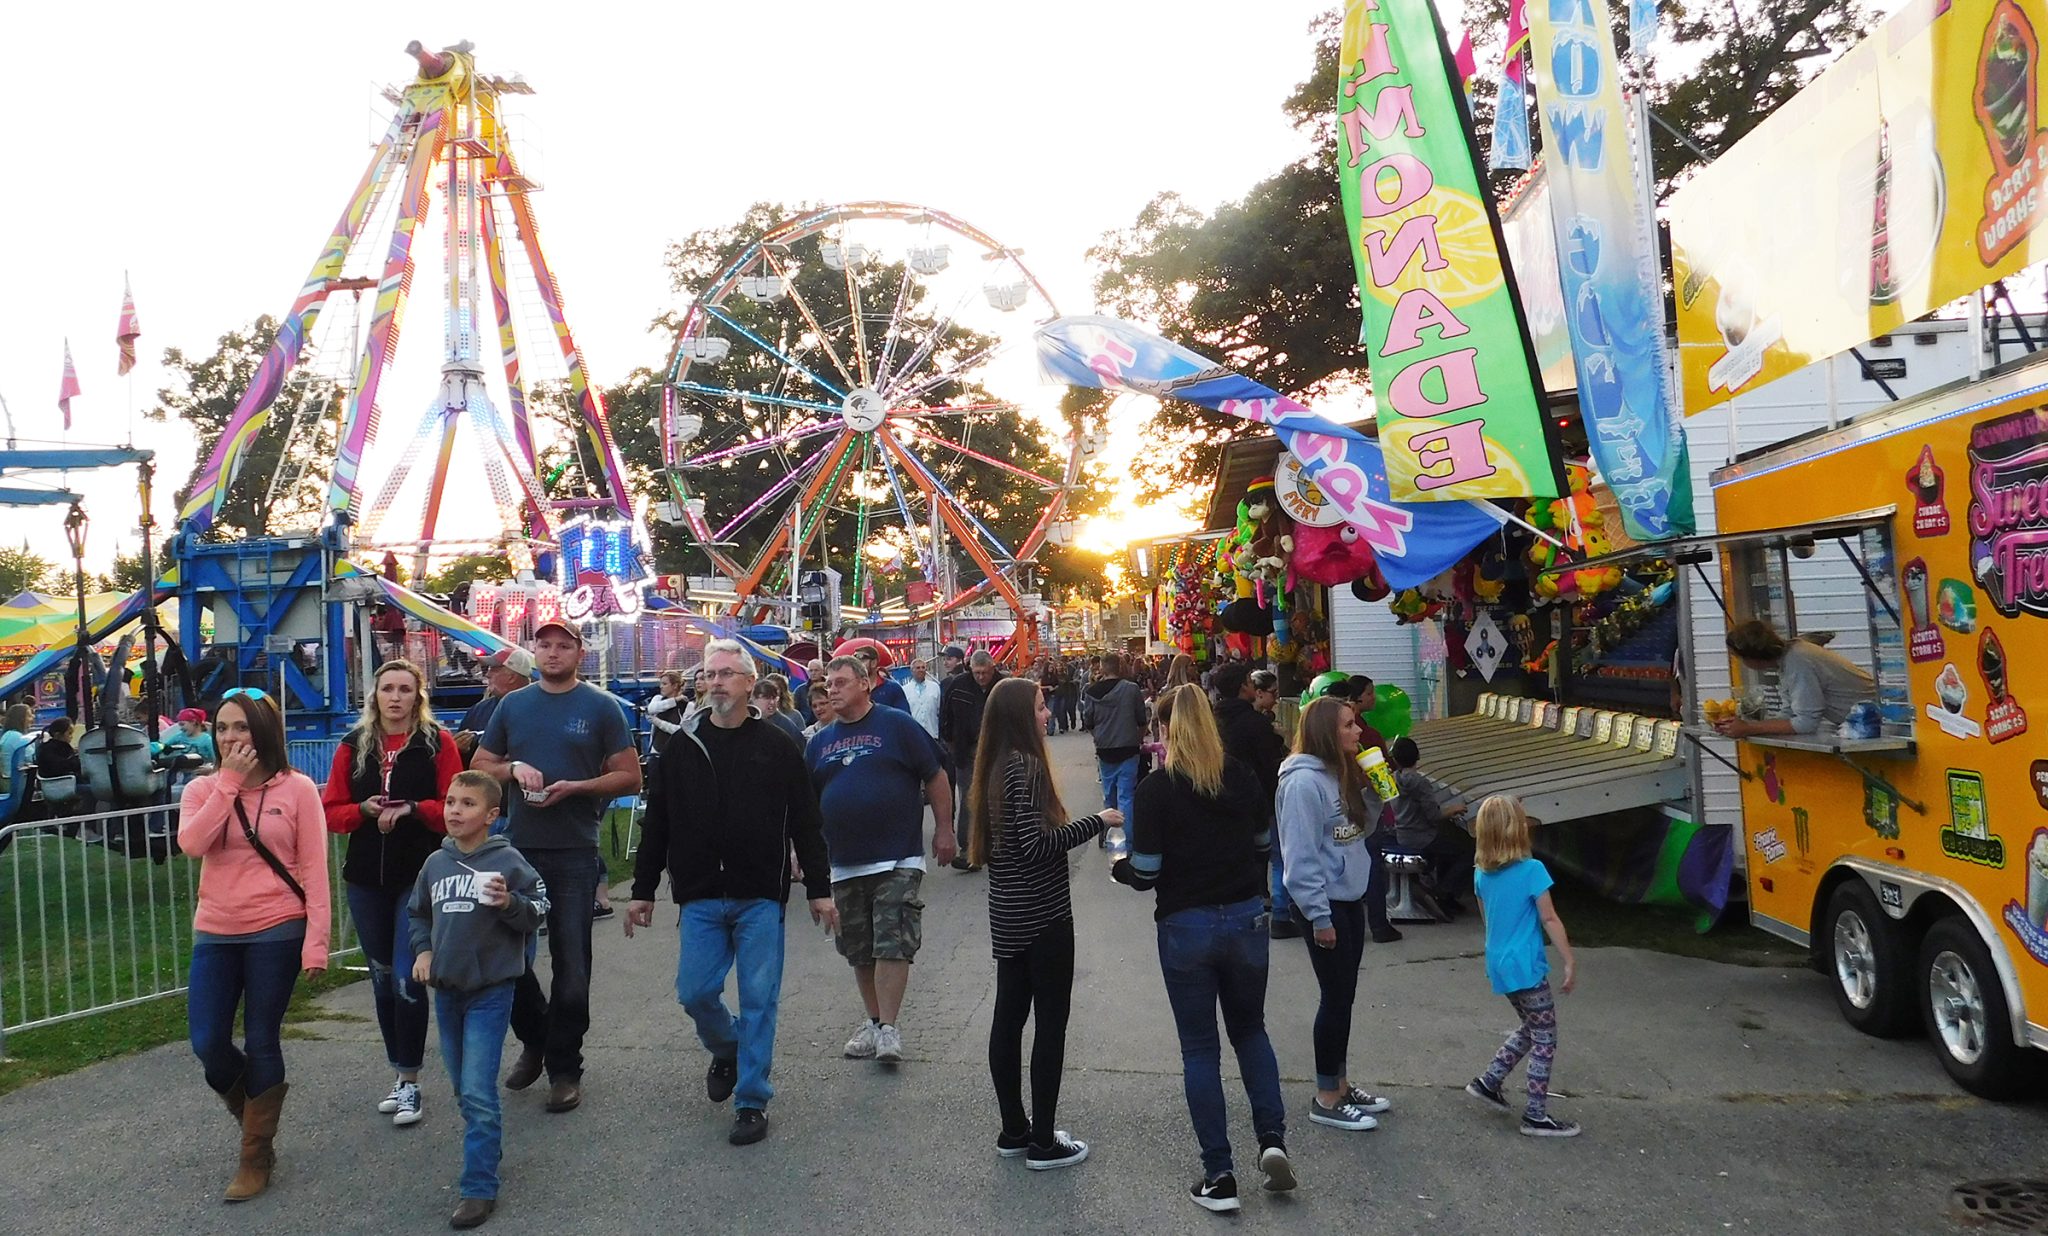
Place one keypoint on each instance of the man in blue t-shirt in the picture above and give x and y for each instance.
(567, 750)
(875, 769)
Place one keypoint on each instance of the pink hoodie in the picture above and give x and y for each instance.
(238, 892)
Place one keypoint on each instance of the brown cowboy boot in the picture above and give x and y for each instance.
(236, 1098)
(259, 1126)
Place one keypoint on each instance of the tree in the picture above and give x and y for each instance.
(283, 475)
(128, 575)
(23, 570)
(465, 569)
(1266, 283)
(1007, 503)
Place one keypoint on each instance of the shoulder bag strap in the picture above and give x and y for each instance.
(249, 831)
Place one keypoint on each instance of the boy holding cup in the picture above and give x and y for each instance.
(473, 911)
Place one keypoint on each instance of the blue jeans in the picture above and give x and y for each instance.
(472, 1046)
(1216, 956)
(258, 979)
(1119, 784)
(554, 1022)
(716, 934)
(386, 932)
(1283, 905)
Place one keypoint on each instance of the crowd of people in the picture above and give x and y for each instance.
(453, 873)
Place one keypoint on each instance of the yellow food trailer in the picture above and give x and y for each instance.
(1911, 853)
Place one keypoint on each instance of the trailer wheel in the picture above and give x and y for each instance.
(1964, 1009)
(1871, 962)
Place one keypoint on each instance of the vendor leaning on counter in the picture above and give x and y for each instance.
(1818, 687)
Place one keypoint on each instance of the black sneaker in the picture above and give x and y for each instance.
(1548, 1126)
(1012, 1145)
(603, 911)
(749, 1125)
(1065, 1151)
(720, 1078)
(1371, 1104)
(1386, 935)
(1278, 1171)
(1486, 1094)
(1218, 1195)
(1284, 928)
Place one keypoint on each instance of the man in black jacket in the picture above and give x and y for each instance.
(1248, 735)
(961, 700)
(732, 797)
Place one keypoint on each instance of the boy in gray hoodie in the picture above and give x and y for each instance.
(1327, 867)
(474, 909)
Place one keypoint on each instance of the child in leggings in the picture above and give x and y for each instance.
(1514, 890)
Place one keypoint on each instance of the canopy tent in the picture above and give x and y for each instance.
(25, 630)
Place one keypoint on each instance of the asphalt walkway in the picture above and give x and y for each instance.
(1715, 1098)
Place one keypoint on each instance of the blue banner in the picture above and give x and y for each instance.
(1606, 261)
(1510, 126)
(1412, 541)
(1642, 29)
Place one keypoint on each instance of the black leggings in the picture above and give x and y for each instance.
(1039, 982)
(1337, 975)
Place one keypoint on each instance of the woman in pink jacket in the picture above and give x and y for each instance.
(260, 835)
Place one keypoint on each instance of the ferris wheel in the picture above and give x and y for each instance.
(840, 420)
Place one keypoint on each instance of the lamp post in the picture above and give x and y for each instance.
(74, 533)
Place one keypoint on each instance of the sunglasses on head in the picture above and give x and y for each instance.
(254, 693)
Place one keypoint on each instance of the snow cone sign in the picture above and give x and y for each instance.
(1455, 386)
(2009, 511)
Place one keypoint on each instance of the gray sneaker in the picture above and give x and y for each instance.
(888, 1045)
(862, 1045)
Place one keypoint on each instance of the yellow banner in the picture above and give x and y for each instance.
(1912, 172)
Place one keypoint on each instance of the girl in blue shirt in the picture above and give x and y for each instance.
(1514, 891)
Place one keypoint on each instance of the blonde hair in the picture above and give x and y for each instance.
(1194, 750)
(1501, 830)
(365, 736)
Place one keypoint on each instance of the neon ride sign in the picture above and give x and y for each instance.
(2009, 511)
(603, 570)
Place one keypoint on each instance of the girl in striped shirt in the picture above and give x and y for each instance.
(1015, 831)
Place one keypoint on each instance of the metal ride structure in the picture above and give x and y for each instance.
(867, 330)
(447, 137)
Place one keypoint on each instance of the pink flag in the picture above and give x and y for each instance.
(1518, 38)
(69, 391)
(130, 328)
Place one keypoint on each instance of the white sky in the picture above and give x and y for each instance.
(209, 155)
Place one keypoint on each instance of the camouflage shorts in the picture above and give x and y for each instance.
(880, 917)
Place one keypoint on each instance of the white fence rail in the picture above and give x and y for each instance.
(96, 914)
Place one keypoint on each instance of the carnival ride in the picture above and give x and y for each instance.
(841, 364)
(448, 139)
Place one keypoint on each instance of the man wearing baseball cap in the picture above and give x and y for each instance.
(505, 671)
(567, 750)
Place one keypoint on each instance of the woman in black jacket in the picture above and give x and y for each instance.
(384, 792)
(1016, 826)
(1199, 836)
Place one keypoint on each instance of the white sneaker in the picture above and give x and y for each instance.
(389, 1103)
(888, 1045)
(862, 1045)
(408, 1110)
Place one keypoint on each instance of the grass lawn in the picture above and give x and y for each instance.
(83, 926)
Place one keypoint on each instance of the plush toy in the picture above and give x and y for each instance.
(1332, 556)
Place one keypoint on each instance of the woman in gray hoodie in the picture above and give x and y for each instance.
(1325, 813)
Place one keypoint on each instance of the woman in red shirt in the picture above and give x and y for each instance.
(263, 916)
(385, 791)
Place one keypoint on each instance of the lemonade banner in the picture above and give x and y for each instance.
(1607, 266)
(1455, 388)
(1412, 542)
(1912, 172)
